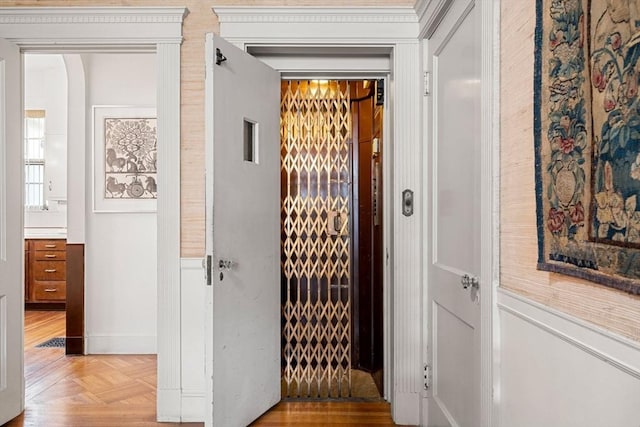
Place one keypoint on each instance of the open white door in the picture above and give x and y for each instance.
(243, 234)
(453, 58)
(11, 236)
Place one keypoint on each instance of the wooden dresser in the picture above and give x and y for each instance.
(46, 271)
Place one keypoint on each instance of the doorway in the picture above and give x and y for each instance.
(122, 29)
(115, 313)
(331, 210)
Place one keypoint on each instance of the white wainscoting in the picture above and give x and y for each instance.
(192, 343)
(559, 371)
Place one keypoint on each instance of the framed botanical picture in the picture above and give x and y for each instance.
(124, 159)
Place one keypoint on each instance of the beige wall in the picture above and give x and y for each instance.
(614, 310)
(199, 21)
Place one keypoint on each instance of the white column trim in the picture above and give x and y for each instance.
(490, 210)
(159, 29)
(407, 249)
(397, 29)
(168, 107)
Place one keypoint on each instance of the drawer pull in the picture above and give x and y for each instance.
(49, 256)
(49, 246)
(51, 290)
(50, 270)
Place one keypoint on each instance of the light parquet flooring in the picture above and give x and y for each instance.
(114, 390)
(327, 414)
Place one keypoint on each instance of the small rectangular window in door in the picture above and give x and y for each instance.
(250, 141)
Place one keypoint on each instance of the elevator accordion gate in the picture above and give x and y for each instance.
(316, 244)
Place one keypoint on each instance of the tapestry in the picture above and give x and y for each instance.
(587, 139)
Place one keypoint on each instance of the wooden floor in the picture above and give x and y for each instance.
(111, 391)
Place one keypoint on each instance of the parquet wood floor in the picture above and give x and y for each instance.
(114, 390)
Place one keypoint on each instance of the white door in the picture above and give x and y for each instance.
(11, 236)
(453, 310)
(243, 234)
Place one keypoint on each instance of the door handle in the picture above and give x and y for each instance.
(224, 264)
(469, 281)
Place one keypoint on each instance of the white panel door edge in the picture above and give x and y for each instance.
(11, 235)
(454, 242)
(243, 235)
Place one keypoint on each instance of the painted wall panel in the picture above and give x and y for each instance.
(556, 373)
(614, 310)
(121, 248)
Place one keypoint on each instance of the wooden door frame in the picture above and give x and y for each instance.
(431, 13)
(389, 33)
(129, 29)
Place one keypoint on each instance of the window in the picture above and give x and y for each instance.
(250, 141)
(34, 159)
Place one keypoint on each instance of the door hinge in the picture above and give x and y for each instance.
(220, 58)
(427, 376)
(427, 83)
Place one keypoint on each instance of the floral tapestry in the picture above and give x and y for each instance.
(587, 137)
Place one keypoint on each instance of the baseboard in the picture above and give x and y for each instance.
(193, 403)
(405, 408)
(168, 407)
(605, 345)
(192, 340)
(121, 344)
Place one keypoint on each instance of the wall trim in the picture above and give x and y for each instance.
(619, 352)
(67, 28)
(192, 406)
(397, 29)
(317, 25)
(432, 14)
(490, 206)
(121, 344)
(192, 264)
(91, 15)
(333, 15)
(132, 28)
(192, 392)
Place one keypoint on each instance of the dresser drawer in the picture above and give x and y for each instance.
(49, 270)
(49, 255)
(49, 291)
(49, 245)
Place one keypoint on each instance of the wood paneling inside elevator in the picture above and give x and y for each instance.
(367, 118)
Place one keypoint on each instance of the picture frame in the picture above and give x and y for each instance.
(124, 158)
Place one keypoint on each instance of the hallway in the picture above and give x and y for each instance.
(114, 390)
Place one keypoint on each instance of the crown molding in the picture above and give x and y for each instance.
(284, 14)
(421, 7)
(134, 27)
(92, 15)
(341, 25)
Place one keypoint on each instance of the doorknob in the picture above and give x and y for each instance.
(224, 264)
(467, 281)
